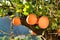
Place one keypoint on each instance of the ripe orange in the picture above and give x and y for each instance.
(16, 21)
(43, 22)
(58, 31)
(31, 19)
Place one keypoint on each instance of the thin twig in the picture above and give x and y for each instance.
(12, 4)
(52, 33)
(57, 4)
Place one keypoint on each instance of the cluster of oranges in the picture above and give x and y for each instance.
(32, 19)
(43, 22)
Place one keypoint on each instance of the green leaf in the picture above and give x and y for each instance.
(37, 27)
(26, 13)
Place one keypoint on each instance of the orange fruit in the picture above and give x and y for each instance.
(58, 31)
(43, 22)
(31, 19)
(16, 21)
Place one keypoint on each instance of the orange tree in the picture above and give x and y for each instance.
(23, 8)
